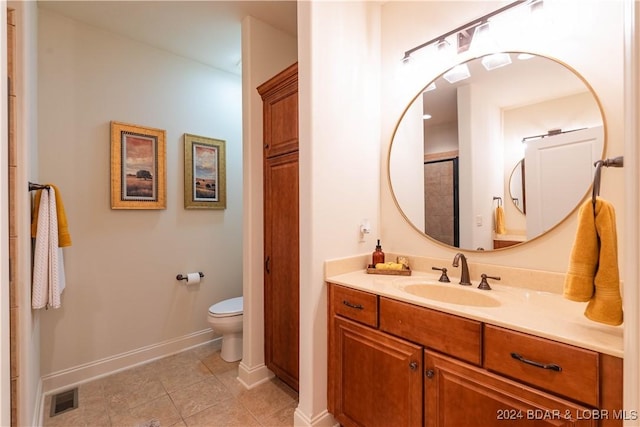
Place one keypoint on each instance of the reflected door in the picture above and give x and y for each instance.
(559, 169)
(441, 201)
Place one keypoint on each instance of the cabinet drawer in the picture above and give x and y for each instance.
(556, 367)
(447, 333)
(354, 304)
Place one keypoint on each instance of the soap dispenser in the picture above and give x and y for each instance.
(377, 256)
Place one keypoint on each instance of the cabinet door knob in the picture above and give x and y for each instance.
(413, 365)
(430, 373)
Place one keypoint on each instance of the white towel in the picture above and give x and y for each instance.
(48, 270)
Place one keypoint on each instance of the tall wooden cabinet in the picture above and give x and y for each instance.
(281, 225)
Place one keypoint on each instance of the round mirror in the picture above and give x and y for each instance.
(511, 127)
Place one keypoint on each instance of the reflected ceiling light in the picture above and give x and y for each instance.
(497, 60)
(426, 117)
(432, 86)
(463, 34)
(457, 73)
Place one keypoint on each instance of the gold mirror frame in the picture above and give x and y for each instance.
(569, 214)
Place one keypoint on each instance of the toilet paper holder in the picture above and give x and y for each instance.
(184, 277)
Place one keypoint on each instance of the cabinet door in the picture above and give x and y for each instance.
(458, 394)
(281, 276)
(377, 378)
(280, 112)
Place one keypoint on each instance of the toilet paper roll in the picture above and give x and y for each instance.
(193, 278)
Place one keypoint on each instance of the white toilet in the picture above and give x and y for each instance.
(225, 318)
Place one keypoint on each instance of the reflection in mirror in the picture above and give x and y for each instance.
(459, 143)
(516, 187)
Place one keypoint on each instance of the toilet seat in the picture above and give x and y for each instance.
(227, 308)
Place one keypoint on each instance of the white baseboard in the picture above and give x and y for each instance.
(323, 419)
(93, 370)
(250, 377)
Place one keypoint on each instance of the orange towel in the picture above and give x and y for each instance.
(593, 267)
(500, 228)
(64, 238)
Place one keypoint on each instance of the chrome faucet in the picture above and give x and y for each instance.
(464, 274)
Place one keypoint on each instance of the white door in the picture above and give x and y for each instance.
(559, 172)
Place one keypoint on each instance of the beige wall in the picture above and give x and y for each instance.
(122, 303)
(590, 41)
(339, 54)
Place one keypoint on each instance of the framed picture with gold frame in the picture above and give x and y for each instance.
(205, 183)
(138, 173)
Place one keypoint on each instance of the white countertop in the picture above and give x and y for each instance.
(539, 313)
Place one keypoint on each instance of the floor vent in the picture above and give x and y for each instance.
(64, 402)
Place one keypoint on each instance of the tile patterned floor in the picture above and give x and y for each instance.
(192, 388)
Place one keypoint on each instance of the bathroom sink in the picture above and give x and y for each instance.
(452, 294)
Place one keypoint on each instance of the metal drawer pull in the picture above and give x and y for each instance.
(356, 306)
(551, 366)
(413, 365)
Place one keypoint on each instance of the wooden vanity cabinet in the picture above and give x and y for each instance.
(452, 335)
(375, 379)
(465, 374)
(499, 244)
(458, 394)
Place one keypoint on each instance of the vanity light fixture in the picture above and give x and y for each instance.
(443, 46)
(483, 39)
(465, 34)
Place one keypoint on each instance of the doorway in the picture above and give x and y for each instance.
(441, 200)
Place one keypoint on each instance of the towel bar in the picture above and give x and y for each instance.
(33, 186)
